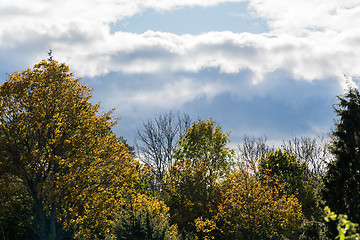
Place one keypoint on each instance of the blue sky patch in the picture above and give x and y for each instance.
(234, 17)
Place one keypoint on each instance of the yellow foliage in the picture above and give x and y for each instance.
(56, 144)
(255, 206)
(190, 192)
(205, 226)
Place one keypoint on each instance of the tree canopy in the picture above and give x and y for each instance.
(342, 179)
(64, 173)
(60, 153)
(296, 180)
(191, 187)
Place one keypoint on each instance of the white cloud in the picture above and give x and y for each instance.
(311, 39)
(308, 39)
(301, 17)
(317, 56)
(58, 17)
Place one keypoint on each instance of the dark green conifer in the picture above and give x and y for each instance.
(342, 180)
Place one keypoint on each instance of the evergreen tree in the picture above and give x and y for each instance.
(342, 180)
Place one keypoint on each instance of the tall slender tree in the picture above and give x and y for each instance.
(191, 186)
(342, 180)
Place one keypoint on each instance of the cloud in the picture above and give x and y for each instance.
(321, 43)
(303, 17)
(310, 44)
(317, 56)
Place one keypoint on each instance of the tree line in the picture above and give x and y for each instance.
(64, 174)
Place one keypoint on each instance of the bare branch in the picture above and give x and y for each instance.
(157, 140)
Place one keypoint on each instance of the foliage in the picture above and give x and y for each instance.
(65, 175)
(143, 218)
(205, 227)
(16, 211)
(205, 140)
(190, 187)
(99, 195)
(313, 151)
(293, 174)
(346, 228)
(285, 166)
(314, 230)
(190, 192)
(61, 153)
(130, 148)
(342, 181)
(254, 207)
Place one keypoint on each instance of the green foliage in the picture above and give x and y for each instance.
(205, 140)
(346, 229)
(285, 166)
(342, 180)
(65, 175)
(16, 212)
(314, 230)
(130, 148)
(191, 186)
(190, 193)
(294, 175)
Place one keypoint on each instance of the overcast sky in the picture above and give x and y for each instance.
(258, 67)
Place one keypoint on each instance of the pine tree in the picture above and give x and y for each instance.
(342, 180)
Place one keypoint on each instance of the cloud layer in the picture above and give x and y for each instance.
(308, 42)
(314, 45)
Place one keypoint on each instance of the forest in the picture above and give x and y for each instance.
(64, 173)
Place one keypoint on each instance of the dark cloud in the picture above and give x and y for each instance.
(279, 107)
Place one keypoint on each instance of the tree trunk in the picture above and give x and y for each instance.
(53, 235)
(39, 209)
(41, 219)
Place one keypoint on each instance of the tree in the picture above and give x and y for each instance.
(60, 153)
(313, 151)
(342, 180)
(141, 218)
(253, 149)
(157, 140)
(253, 207)
(15, 211)
(190, 192)
(191, 185)
(304, 155)
(205, 140)
(293, 174)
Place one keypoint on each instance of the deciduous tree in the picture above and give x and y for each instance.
(61, 152)
(205, 140)
(157, 140)
(293, 174)
(191, 187)
(253, 207)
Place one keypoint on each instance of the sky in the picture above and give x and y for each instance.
(258, 67)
